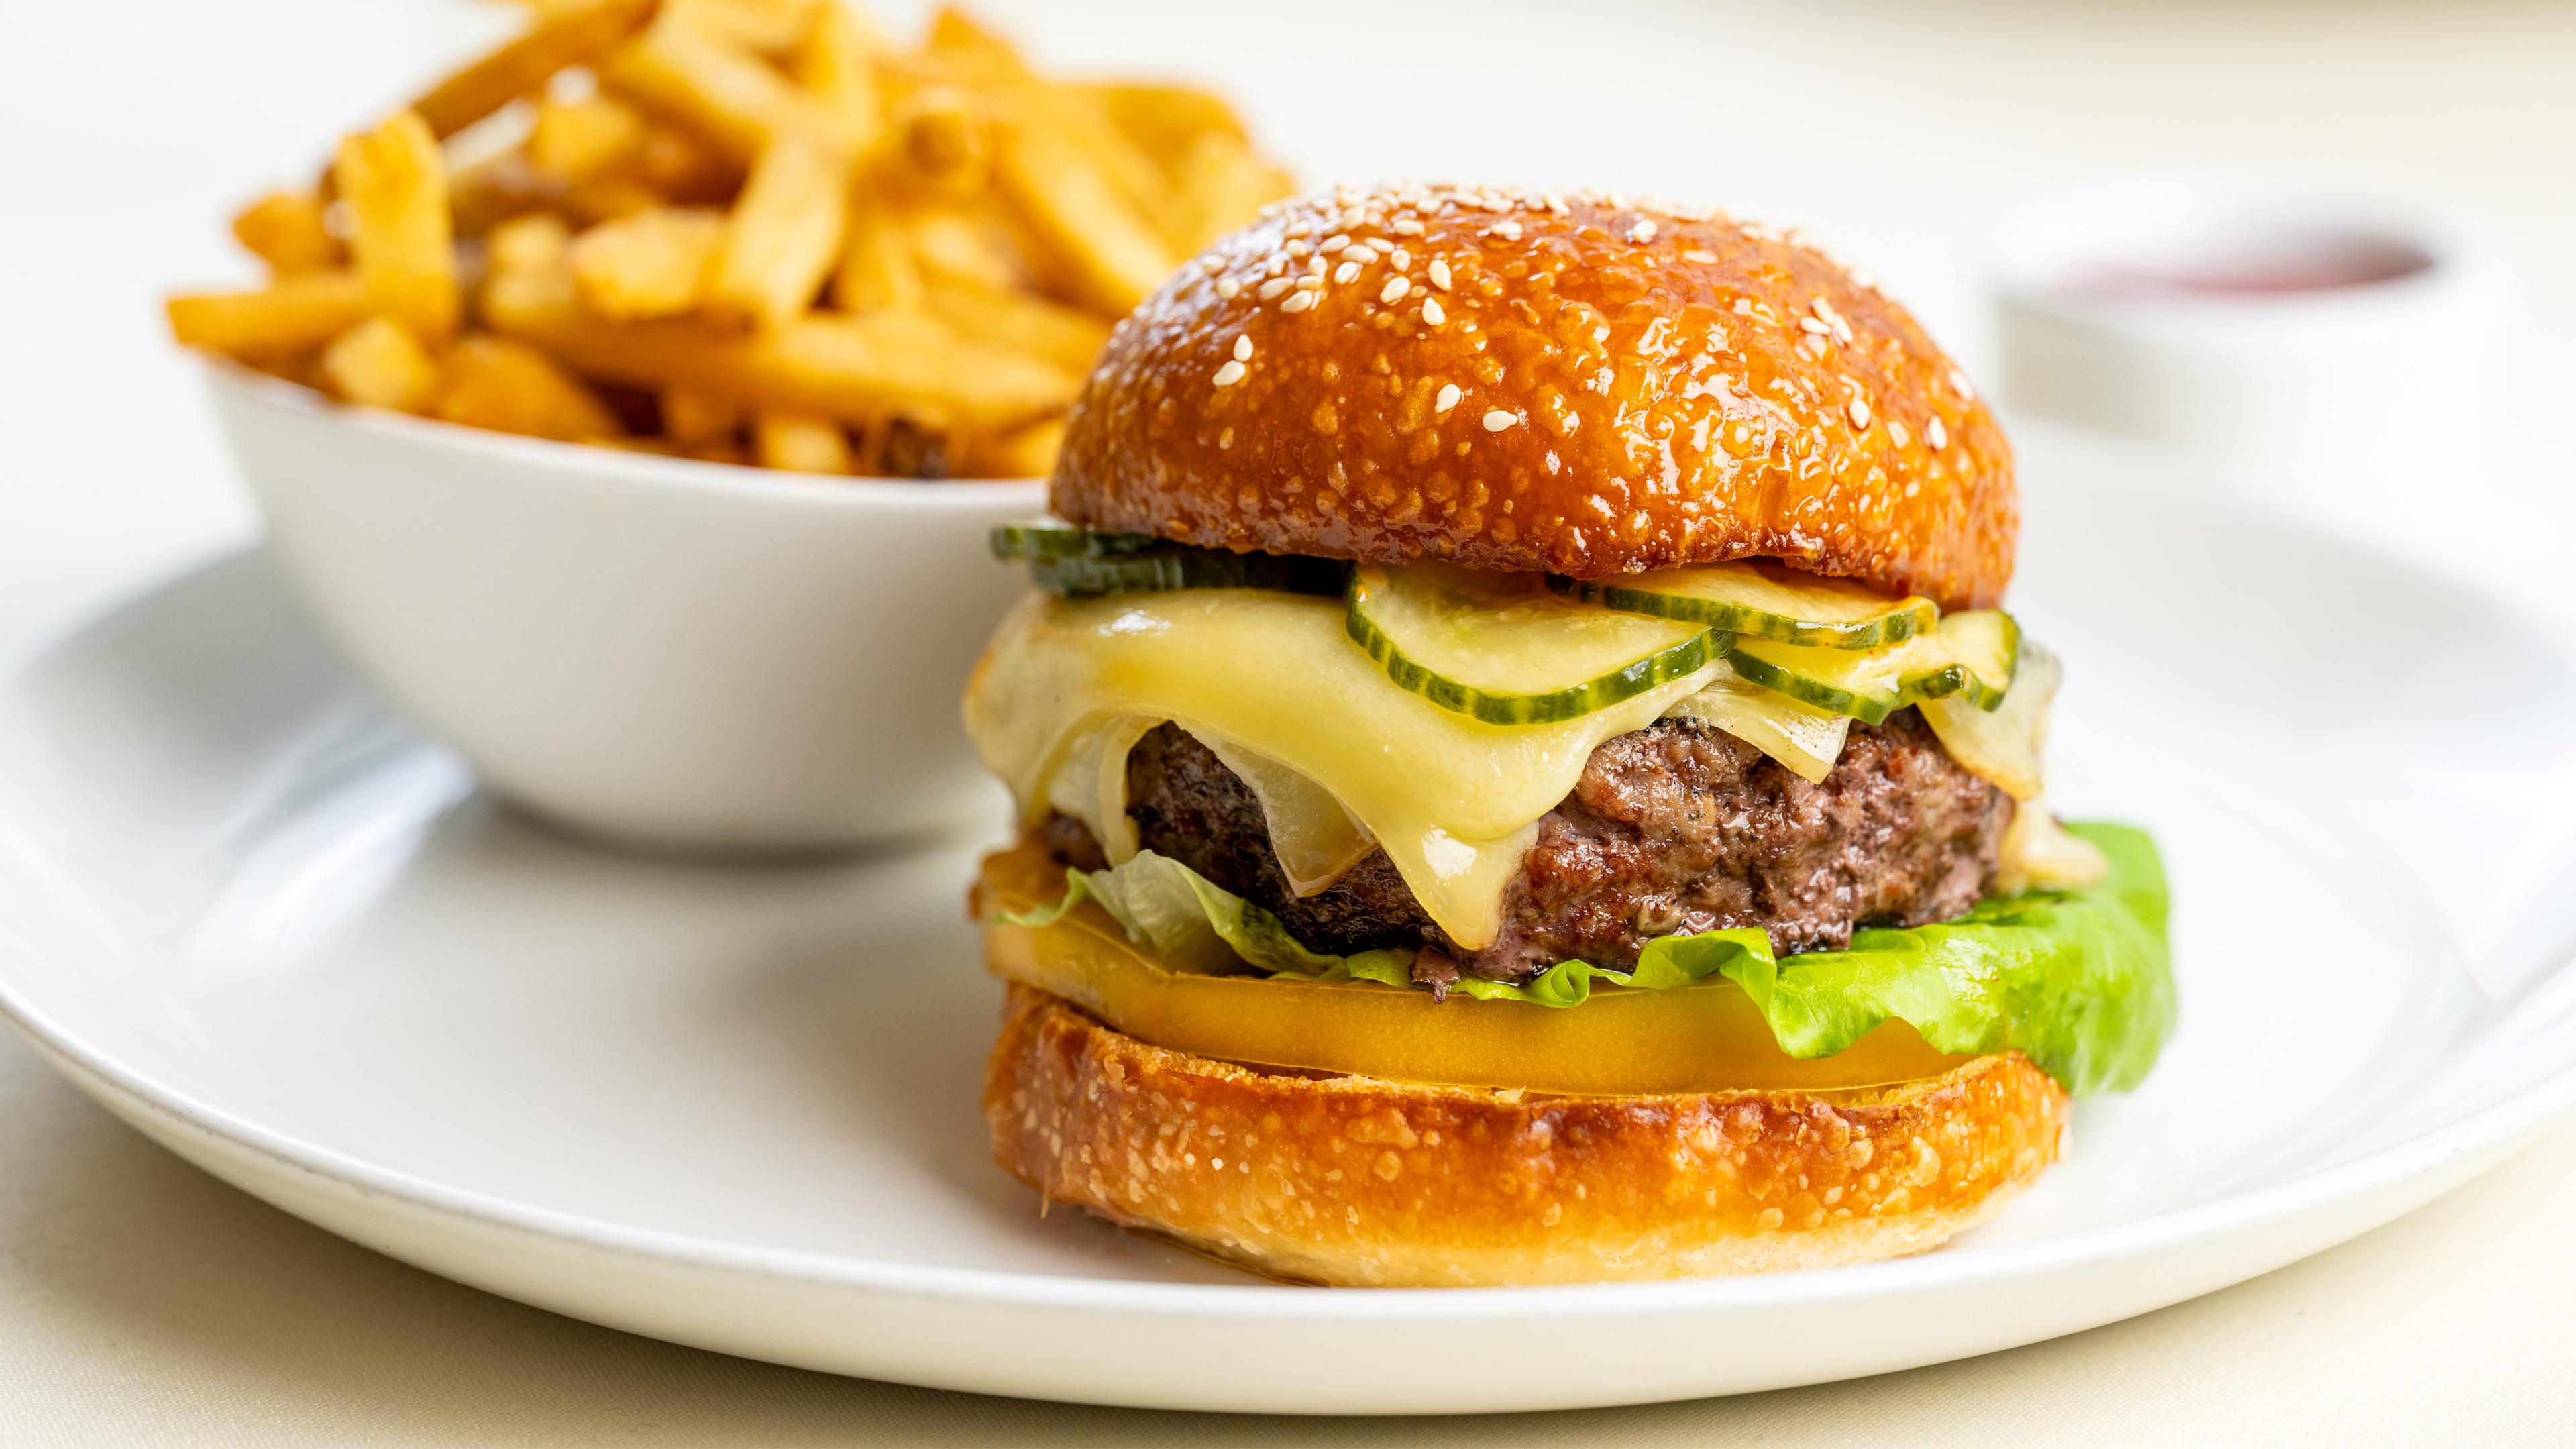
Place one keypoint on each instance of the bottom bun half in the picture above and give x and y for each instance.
(1363, 1182)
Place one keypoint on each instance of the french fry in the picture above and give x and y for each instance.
(904, 446)
(877, 268)
(396, 187)
(286, 230)
(943, 140)
(1027, 452)
(855, 368)
(691, 416)
(1105, 253)
(1218, 185)
(783, 235)
(837, 63)
(291, 315)
(964, 246)
(379, 364)
(1056, 332)
(957, 39)
(509, 387)
(651, 264)
(1075, 119)
(535, 243)
(610, 198)
(800, 442)
(1164, 120)
(577, 140)
(686, 171)
(570, 35)
(764, 27)
(717, 89)
(483, 194)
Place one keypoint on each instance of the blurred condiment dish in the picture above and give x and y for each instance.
(2324, 350)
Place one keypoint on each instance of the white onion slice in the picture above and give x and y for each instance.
(1804, 739)
(2002, 745)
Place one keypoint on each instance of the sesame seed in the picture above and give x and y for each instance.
(1432, 312)
(1334, 243)
(1242, 348)
(1400, 259)
(1439, 274)
(1228, 288)
(1811, 325)
(1935, 434)
(1959, 382)
(1896, 431)
(1311, 282)
(1362, 253)
(1395, 288)
(1228, 375)
(1643, 232)
(1498, 419)
(1448, 398)
(1859, 413)
(1406, 226)
(1507, 230)
(1225, 439)
(1298, 302)
(1346, 272)
(1699, 255)
(1274, 287)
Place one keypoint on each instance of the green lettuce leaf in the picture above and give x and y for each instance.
(2080, 981)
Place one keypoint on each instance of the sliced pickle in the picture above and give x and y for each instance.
(1063, 540)
(1762, 600)
(1503, 649)
(1804, 739)
(2002, 746)
(1176, 567)
(1069, 560)
(1970, 655)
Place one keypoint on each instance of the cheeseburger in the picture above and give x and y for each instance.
(1523, 774)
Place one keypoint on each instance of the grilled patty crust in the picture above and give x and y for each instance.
(1673, 828)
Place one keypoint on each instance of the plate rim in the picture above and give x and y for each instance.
(2524, 1111)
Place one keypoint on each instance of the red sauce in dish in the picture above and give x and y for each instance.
(2269, 268)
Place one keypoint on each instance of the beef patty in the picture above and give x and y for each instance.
(1676, 827)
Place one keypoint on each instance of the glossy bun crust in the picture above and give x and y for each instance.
(1635, 388)
(1356, 1181)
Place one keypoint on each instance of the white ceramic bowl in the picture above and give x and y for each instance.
(656, 650)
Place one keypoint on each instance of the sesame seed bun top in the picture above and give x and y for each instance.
(1522, 382)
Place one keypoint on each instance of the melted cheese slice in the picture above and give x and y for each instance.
(1454, 802)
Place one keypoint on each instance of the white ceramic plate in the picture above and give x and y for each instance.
(270, 926)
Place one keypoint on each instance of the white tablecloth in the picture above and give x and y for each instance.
(143, 1302)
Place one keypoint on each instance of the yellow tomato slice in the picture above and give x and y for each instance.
(1702, 1038)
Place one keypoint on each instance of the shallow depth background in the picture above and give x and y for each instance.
(140, 1301)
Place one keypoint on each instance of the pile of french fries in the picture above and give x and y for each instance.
(743, 231)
